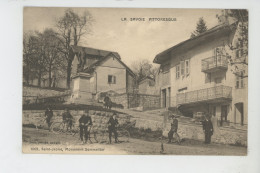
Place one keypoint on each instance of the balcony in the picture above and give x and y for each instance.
(212, 94)
(213, 64)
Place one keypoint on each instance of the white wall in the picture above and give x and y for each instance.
(111, 66)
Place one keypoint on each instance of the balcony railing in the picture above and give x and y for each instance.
(213, 93)
(214, 63)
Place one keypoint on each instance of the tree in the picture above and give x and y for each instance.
(143, 68)
(51, 53)
(71, 27)
(237, 51)
(28, 58)
(200, 28)
(34, 59)
(41, 56)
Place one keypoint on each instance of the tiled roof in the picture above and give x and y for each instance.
(194, 40)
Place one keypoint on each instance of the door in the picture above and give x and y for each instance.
(239, 111)
(164, 98)
(223, 114)
(169, 97)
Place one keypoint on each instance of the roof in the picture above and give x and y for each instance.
(93, 51)
(192, 42)
(95, 64)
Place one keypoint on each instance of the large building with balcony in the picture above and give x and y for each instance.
(196, 77)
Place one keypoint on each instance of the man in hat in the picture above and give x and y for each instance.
(48, 116)
(207, 129)
(173, 130)
(112, 125)
(106, 101)
(67, 118)
(85, 122)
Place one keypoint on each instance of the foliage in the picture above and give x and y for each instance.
(143, 68)
(200, 28)
(41, 56)
(48, 52)
(237, 51)
(71, 28)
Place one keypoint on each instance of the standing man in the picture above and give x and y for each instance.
(112, 125)
(207, 129)
(48, 116)
(173, 130)
(106, 100)
(85, 122)
(67, 118)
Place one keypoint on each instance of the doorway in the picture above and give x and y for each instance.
(169, 97)
(164, 98)
(239, 112)
(224, 113)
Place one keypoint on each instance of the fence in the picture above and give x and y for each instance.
(214, 62)
(205, 94)
(132, 100)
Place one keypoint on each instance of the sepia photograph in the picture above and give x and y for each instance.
(135, 81)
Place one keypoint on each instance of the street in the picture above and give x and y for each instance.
(43, 141)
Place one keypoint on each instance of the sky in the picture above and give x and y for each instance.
(133, 40)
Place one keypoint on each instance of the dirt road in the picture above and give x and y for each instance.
(43, 141)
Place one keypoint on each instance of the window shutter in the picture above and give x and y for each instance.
(178, 71)
(187, 66)
(242, 79)
(114, 80)
(182, 68)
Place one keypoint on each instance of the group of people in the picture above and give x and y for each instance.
(206, 124)
(85, 123)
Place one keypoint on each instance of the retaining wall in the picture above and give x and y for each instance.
(222, 135)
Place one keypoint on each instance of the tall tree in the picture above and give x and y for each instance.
(38, 55)
(200, 28)
(52, 55)
(143, 68)
(237, 51)
(27, 57)
(71, 28)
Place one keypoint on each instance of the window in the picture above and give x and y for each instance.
(240, 80)
(182, 68)
(239, 49)
(178, 71)
(187, 67)
(111, 79)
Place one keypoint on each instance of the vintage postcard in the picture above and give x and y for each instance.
(137, 81)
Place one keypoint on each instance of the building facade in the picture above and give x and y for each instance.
(103, 71)
(196, 77)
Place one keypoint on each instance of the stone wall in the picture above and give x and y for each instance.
(120, 99)
(222, 135)
(30, 93)
(99, 118)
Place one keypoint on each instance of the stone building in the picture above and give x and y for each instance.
(147, 86)
(196, 77)
(95, 71)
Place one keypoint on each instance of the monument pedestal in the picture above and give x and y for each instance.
(82, 88)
